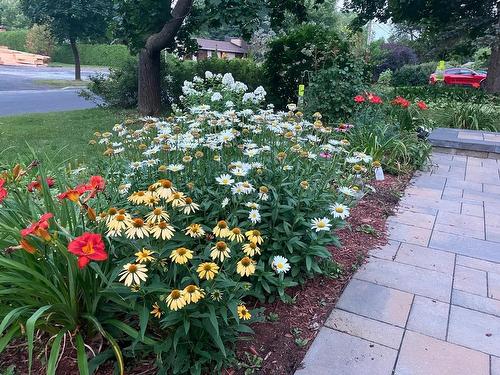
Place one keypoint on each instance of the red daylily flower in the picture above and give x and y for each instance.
(87, 247)
(398, 100)
(39, 228)
(72, 194)
(37, 184)
(374, 99)
(95, 185)
(3, 191)
(422, 105)
(359, 98)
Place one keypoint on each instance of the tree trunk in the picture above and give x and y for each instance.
(149, 96)
(493, 80)
(76, 55)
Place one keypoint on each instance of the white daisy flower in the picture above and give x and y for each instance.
(254, 216)
(225, 202)
(321, 224)
(347, 191)
(175, 167)
(224, 179)
(280, 264)
(339, 210)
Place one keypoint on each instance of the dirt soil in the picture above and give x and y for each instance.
(278, 347)
(283, 344)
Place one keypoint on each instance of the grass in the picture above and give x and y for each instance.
(60, 83)
(59, 136)
(56, 64)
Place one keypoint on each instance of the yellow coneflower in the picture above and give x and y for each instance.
(245, 267)
(178, 199)
(144, 256)
(181, 255)
(254, 236)
(187, 159)
(137, 229)
(151, 199)
(357, 168)
(195, 231)
(220, 251)
(207, 270)
(162, 230)
(133, 274)
(193, 294)
(112, 212)
(157, 215)
(221, 229)
(190, 206)
(304, 185)
(118, 223)
(138, 197)
(156, 312)
(236, 235)
(243, 313)
(164, 188)
(250, 249)
(175, 300)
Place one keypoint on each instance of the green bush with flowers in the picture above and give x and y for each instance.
(190, 220)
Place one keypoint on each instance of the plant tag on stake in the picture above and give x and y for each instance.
(379, 174)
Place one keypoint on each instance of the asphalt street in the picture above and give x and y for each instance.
(20, 93)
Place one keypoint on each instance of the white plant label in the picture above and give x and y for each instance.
(379, 174)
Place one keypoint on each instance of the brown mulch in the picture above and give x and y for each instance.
(273, 342)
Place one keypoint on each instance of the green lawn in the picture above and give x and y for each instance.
(61, 83)
(60, 136)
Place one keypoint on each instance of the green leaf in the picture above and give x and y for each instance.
(214, 334)
(12, 315)
(81, 356)
(30, 332)
(54, 353)
(5, 340)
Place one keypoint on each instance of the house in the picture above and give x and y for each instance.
(3, 28)
(230, 48)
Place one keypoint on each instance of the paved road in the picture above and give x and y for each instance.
(20, 93)
(428, 303)
(32, 101)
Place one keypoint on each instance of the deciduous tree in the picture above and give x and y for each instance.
(71, 20)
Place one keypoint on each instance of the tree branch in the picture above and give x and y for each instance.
(161, 40)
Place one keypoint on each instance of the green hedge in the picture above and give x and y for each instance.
(93, 54)
(413, 75)
(14, 39)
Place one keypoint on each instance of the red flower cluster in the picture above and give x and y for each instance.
(96, 184)
(359, 98)
(372, 98)
(87, 247)
(422, 105)
(37, 184)
(402, 102)
(39, 228)
(3, 191)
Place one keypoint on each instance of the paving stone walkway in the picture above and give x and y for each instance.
(428, 303)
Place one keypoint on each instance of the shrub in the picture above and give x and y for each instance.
(331, 90)
(302, 51)
(413, 75)
(15, 40)
(113, 55)
(385, 77)
(121, 87)
(394, 56)
(39, 40)
(482, 57)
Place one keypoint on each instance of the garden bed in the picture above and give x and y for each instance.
(276, 342)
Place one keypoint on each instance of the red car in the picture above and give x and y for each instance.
(460, 76)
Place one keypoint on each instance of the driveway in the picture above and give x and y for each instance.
(21, 93)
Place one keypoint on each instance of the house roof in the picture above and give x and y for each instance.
(219, 45)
